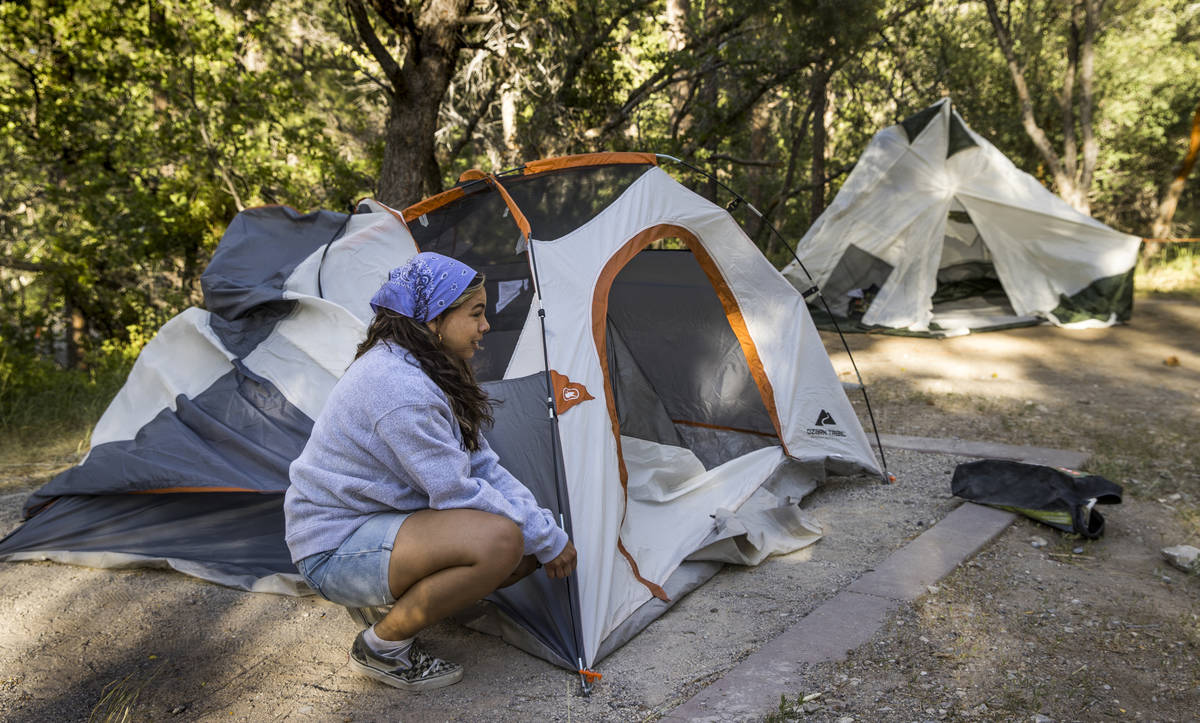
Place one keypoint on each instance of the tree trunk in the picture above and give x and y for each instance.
(1087, 74)
(432, 37)
(1065, 181)
(818, 98)
(408, 150)
(709, 95)
(677, 40)
(1166, 207)
(761, 139)
(1066, 99)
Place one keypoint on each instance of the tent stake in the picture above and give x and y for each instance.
(585, 679)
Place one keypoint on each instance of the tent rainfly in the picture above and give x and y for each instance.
(665, 403)
(936, 232)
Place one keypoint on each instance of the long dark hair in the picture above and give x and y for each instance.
(453, 376)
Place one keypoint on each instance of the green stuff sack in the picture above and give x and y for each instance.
(1055, 496)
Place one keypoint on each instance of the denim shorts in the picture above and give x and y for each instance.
(356, 573)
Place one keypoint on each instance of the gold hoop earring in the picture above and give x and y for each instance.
(439, 338)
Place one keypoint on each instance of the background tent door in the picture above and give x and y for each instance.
(969, 293)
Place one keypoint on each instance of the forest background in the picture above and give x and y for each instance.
(134, 130)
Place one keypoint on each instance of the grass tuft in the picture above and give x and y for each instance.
(1175, 273)
(47, 413)
(119, 698)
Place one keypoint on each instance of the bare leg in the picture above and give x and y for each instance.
(528, 564)
(444, 560)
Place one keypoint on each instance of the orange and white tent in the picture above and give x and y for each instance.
(688, 377)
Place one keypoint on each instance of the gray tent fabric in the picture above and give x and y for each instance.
(700, 377)
(239, 433)
(258, 252)
(524, 438)
(234, 539)
(639, 410)
(243, 283)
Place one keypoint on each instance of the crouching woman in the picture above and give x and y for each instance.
(397, 499)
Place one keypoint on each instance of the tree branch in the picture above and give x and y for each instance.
(799, 135)
(10, 262)
(744, 161)
(366, 33)
(593, 42)
(484, 105)
(1066, 184)
(37, 95)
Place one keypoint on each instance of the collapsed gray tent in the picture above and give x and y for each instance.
(669, 406)
(936, 231)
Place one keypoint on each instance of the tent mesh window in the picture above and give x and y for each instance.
(695, 390)
(478, 230)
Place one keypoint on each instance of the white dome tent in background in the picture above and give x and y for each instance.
(936, 231)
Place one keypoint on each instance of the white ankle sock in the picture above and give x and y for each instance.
(395, 649)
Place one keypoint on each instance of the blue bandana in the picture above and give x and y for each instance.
(425, 286)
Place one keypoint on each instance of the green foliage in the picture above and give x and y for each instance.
(41, 403)
(1150, 70)
(134, 133)
(1174, 273)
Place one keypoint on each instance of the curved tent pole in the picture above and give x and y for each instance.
(738, 200)
(321, 264)
(586, 676)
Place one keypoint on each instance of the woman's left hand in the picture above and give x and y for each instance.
(562, 565)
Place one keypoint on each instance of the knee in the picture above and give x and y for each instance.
(502, 540)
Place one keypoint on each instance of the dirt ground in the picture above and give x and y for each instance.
(1072, 630)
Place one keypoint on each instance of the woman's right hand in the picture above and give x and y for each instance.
(562, 565)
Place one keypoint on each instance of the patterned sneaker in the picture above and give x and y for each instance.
(425, 672)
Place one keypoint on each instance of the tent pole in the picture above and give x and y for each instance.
(739, 199)
(586, 676)
(321, 264)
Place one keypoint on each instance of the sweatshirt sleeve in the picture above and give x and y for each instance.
(421, 441)
(485, 464)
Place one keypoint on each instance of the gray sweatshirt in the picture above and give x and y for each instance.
(388, 441)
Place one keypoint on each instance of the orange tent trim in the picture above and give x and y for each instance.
(732, 313)
(529, 169)
(432, 203)
(589, 159)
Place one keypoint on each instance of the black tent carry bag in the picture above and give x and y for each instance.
(1055, 496)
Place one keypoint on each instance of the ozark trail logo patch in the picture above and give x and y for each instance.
(821, 427)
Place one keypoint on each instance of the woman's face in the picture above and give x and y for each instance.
(463, 327)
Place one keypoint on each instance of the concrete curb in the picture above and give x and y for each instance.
(987, 450)
(851, 618)
(752, 688)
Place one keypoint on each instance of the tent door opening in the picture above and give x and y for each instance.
(969, 294)
(685, 399)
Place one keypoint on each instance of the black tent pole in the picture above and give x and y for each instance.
(585, 681)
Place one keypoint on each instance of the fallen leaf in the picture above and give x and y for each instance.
(1171, 361)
